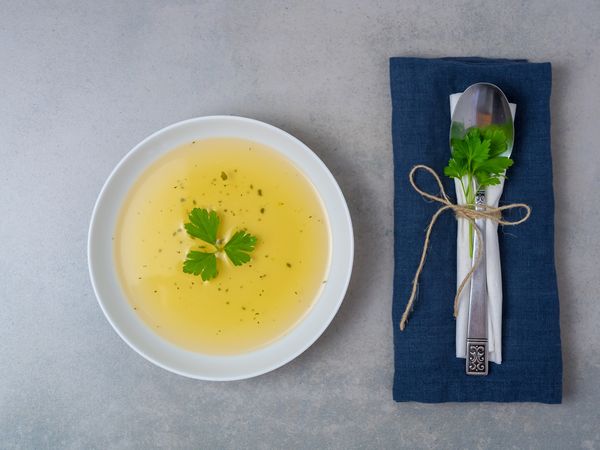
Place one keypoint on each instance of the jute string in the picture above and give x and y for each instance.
(466, 212)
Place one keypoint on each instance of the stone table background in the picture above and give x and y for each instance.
(82, 82)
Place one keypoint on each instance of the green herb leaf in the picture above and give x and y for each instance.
(497, 139)
(203, 225)
(239, 247)
(489, 172)
(200, 263)
(477, 157)
(454, 169)
(476, 161)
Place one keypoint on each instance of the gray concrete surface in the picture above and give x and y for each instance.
(82, 82)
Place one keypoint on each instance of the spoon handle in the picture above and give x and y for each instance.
(477, 337)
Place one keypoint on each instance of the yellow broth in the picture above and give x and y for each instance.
(251, 187)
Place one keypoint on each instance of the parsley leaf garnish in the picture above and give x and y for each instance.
(204, 225)
(200, 263)
(477, 156)
(239, 247)
(477, 162)
(497, 139)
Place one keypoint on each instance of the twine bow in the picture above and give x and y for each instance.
(461, 212)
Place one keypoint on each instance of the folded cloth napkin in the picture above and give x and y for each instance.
(426, 368)
(493, 268)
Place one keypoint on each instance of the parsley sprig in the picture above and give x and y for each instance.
(477, 162)
(204, 225)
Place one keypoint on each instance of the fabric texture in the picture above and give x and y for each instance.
(426, 368)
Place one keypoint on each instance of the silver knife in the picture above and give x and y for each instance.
(477, 337)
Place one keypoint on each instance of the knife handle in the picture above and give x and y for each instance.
(477, 356)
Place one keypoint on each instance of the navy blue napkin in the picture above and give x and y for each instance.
(426, 369)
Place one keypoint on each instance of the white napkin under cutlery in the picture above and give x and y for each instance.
(493, 269)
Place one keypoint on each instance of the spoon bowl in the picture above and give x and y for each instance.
(482, 105)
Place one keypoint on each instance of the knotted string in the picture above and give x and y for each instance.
(461, 212)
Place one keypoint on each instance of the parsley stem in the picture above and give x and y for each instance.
(469, 193)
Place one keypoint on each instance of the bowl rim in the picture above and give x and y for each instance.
(342, 219)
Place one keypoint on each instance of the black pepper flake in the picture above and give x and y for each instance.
(223, 176)
(260, 192)
(262, 210)
(288, 264)
(182, 199)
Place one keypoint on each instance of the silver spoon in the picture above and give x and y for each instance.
(480, 105)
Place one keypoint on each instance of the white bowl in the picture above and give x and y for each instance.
(112, 298)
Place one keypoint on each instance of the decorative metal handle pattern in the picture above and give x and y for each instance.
(477, 357)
